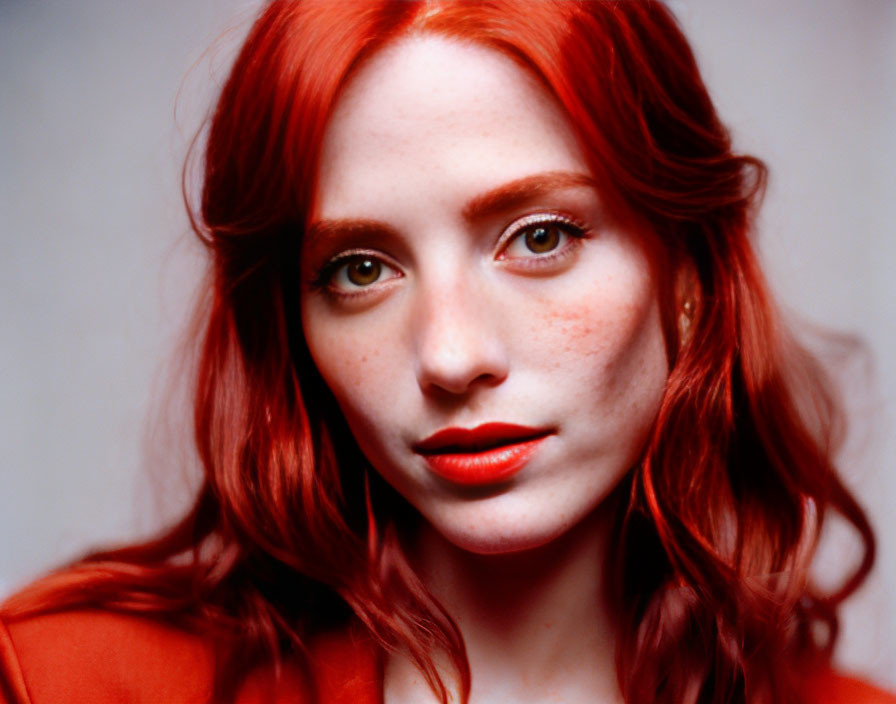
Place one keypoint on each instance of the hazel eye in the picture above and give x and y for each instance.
(363, 272)
(355, 272)
(540, 236)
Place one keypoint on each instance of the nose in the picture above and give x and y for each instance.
(459, 346)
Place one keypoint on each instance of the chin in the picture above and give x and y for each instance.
(491, 533)
(499, 544)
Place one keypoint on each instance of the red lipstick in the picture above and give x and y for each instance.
(482, 455)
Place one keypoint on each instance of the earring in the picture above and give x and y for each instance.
(685, 318)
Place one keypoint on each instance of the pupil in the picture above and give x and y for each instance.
(542, 239)
(364, 272)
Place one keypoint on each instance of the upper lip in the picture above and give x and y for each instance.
(482, 437)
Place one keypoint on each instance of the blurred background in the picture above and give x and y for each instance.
(99, 101)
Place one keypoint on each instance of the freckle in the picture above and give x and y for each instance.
(569, 314)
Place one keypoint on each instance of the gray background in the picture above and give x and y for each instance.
(98, 269)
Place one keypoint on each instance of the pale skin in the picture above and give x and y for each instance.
(433, 298)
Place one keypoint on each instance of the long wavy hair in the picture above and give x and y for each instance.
(290, 535)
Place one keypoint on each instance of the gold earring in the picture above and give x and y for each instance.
(685, 318)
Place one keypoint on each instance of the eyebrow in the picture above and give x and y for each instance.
(505, 197)
(324, 229)
(520, 191)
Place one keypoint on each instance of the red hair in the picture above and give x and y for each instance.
(290, 534)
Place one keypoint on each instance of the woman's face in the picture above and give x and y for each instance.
(460, 273)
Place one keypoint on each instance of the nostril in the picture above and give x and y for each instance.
(457, 369)
(458, 345)
(460, 386)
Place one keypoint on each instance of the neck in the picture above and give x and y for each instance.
(534, 622)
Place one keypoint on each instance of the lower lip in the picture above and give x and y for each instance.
(487, 467)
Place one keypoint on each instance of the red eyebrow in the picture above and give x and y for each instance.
(505, 197)
(514, 193)
(349, 226)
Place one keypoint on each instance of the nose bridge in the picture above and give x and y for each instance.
(458, 343)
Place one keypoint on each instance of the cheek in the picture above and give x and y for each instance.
(604, 341)
(604, 329)
(356, 361)
(573, 331)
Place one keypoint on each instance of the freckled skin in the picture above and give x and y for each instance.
(459, 336)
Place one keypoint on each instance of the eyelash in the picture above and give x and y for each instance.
(574, 231)
(324, 278)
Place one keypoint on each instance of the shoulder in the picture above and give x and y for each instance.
(830, 687)
(57, 657)
(101, 656)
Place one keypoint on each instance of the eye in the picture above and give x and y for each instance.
(351, 273)
(539, 236)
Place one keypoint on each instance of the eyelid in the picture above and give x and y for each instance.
(324, 276)
(543, 217)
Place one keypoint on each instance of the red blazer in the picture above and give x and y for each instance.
(105, 658)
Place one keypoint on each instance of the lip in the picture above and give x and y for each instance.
(486, 454)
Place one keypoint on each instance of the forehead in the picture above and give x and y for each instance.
(428, 115)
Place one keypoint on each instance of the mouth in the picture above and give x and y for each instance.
(485, 454)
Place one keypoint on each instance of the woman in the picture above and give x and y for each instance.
(492, 402)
